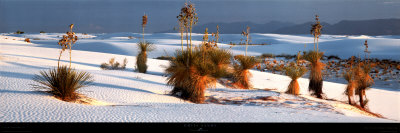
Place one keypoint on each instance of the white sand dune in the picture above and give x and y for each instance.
(128, 96)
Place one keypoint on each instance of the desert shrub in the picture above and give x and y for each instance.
(19, 32)
(267, 55)
(42, 31)
(63, 82)
(27, 40)
(364, 81)
(141, 58)
(294, 72)
(241, 73)
(114, 65)
(351, 85)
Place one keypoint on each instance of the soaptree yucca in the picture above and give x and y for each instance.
(316, 66)
(190, 82)
(294, 72)
(241, 73)
(63, 82)
(141, 58)
(315, 84)
(363, 78)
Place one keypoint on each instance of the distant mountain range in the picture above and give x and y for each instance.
(345, 27)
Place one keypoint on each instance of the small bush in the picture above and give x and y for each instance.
(19, 32)
(267, 55)
(27, 40)
(63, 82)
(42, 32)
(113, 65)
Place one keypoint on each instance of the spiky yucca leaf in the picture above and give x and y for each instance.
(63, 82)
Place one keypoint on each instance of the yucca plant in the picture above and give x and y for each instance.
(316, 66)
(141, 58)
(294, 72)
(190, 82)
(63, 82)
(241, 73)
(363, 78)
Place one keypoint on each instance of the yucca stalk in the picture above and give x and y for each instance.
(144, 23)
(63, 82)
(246, 34)
(316, 31)
(242, 75)
(67, 42)
(141, 59)
(294, 72)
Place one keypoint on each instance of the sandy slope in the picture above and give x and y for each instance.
(127, 96)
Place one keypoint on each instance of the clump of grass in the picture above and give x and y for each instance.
(63, 82)
(114, 65)
(294, 72)
(241, 73)
(141, 58)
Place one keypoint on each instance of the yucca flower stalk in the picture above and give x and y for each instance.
(316, 31)
(67, 42)
(144, 23)
(247, 35)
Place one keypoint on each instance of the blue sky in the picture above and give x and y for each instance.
(124, 15)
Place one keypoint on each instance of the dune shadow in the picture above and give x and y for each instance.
(16, 75)
(134, 79)
(25, 92)
(66, 61)
(120, 87)
(25, 65)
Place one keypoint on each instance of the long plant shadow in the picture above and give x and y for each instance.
(25, 65)
(120, 87)
(134, 79)
(66, 61)
(15, 75)
(25, 92)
